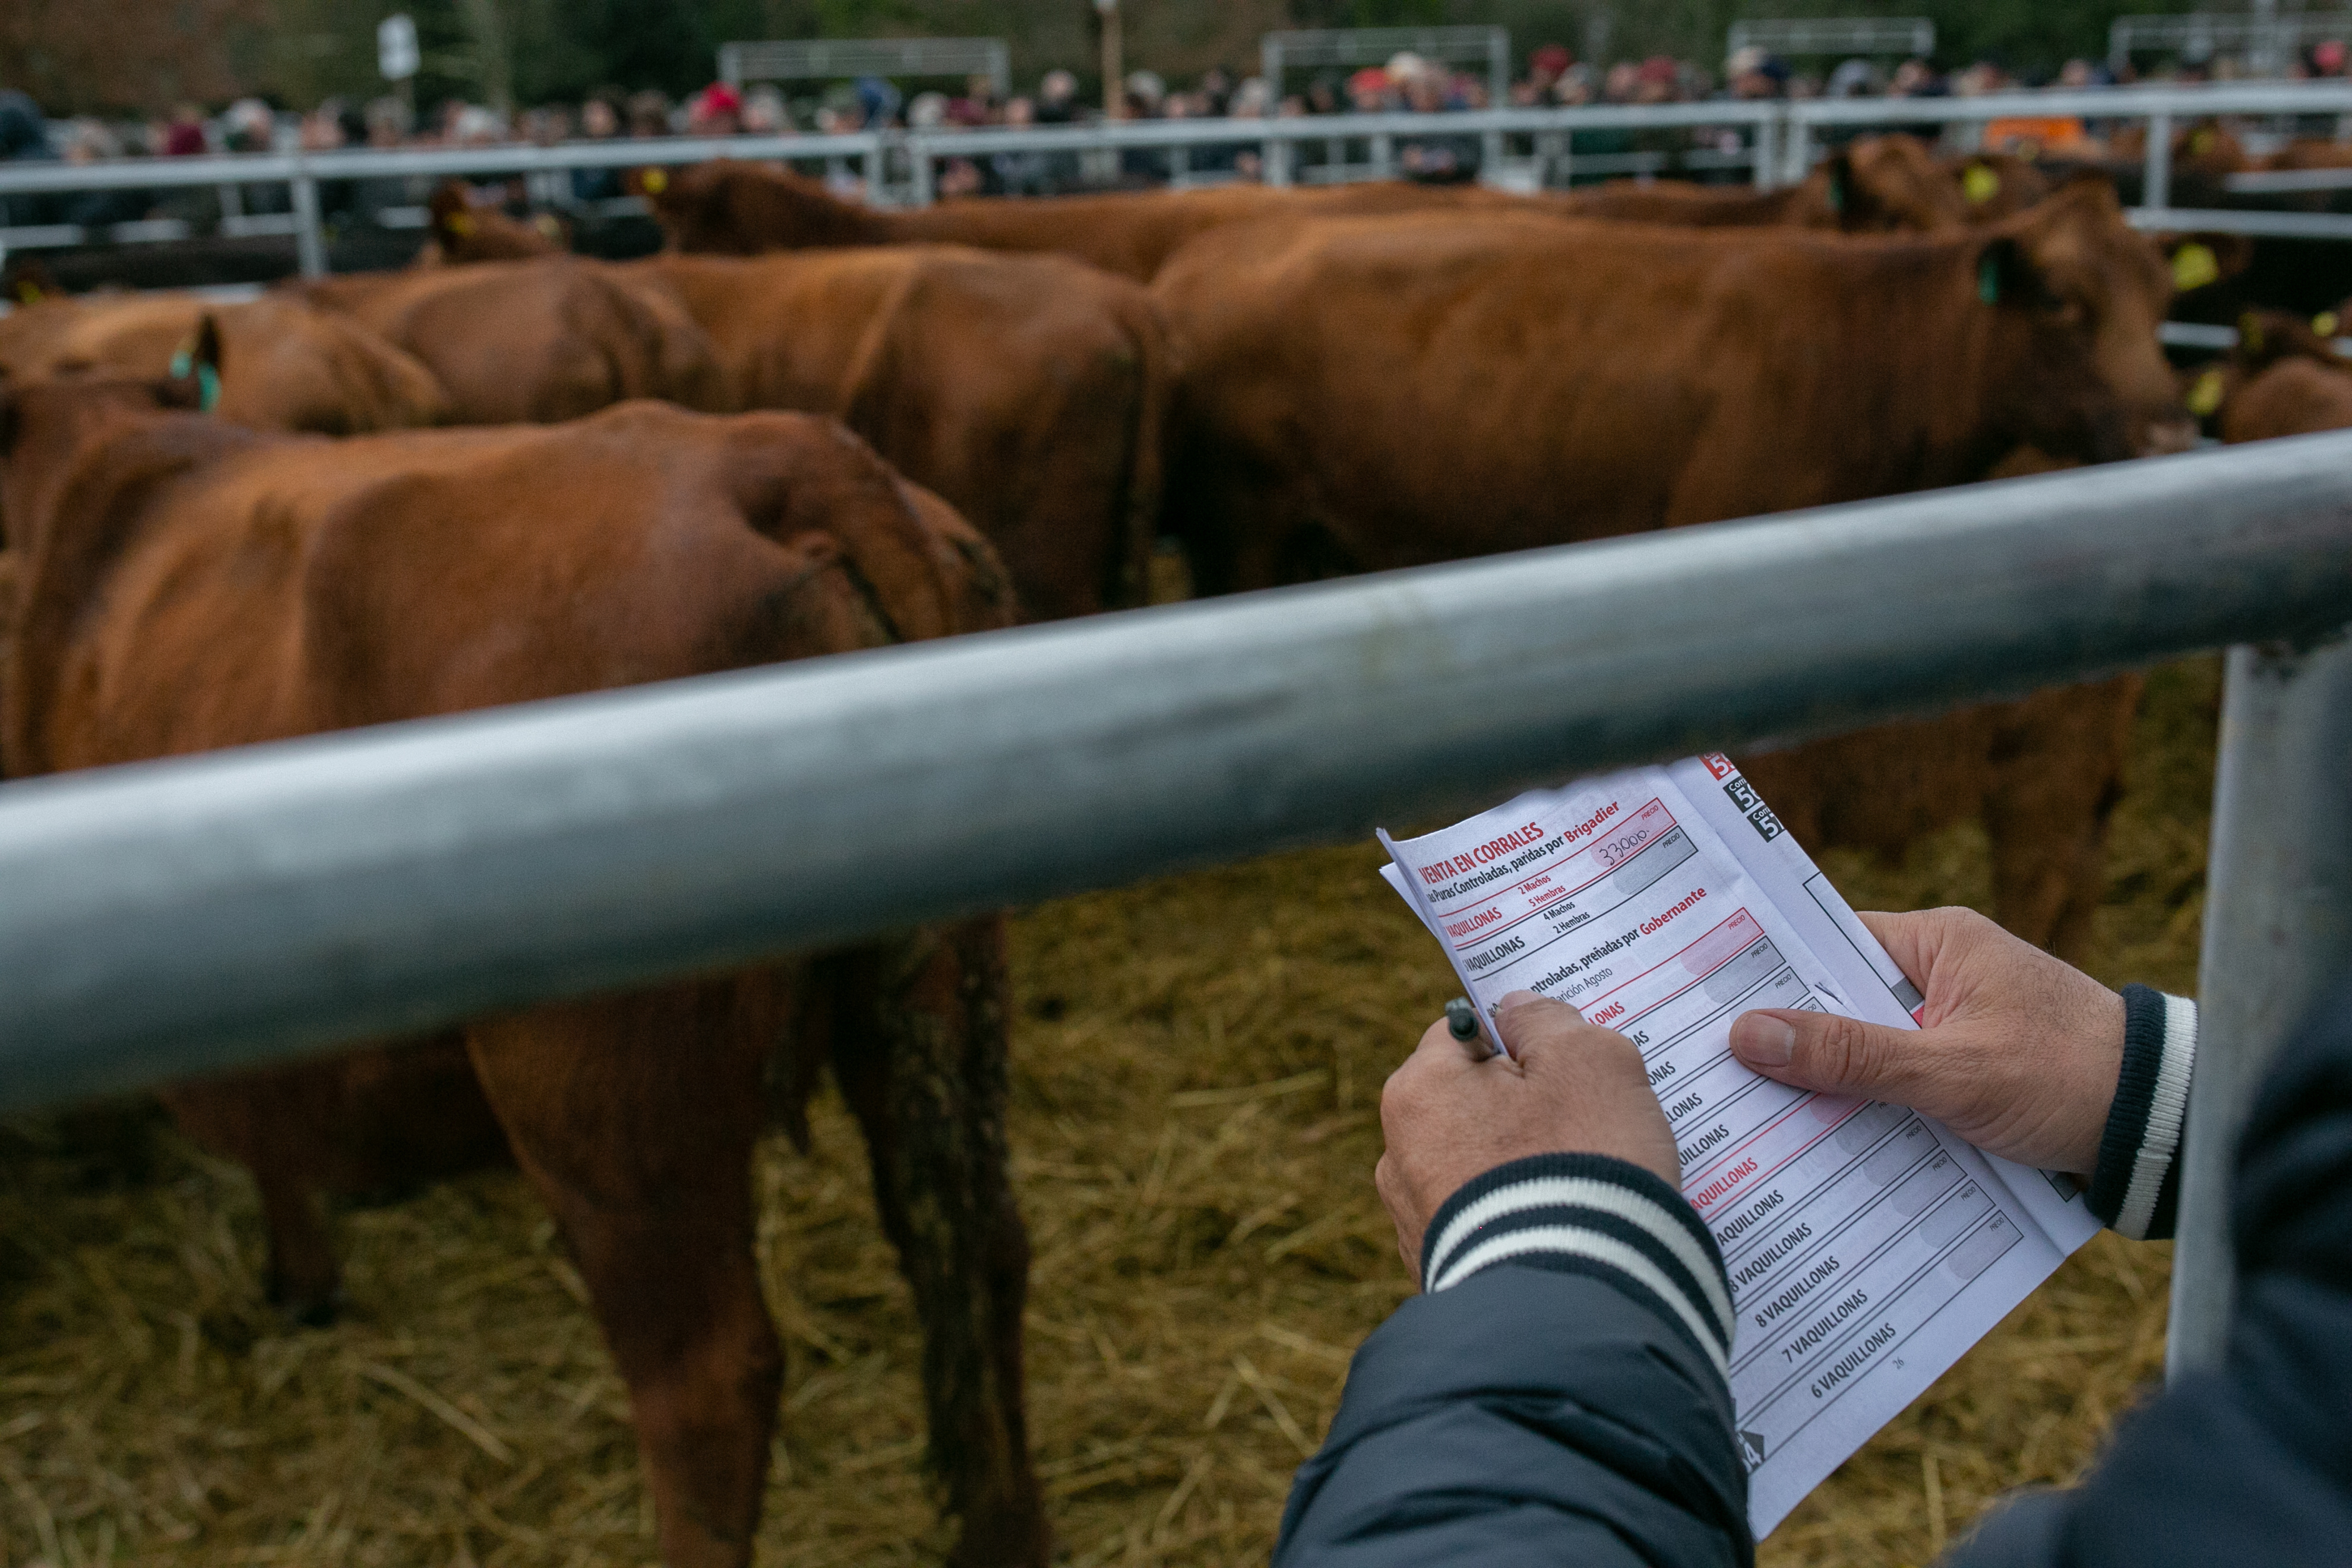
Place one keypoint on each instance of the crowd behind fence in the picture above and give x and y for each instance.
(305, 192)
(1380, 107)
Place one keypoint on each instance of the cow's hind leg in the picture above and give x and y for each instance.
(920, 1050)
(635, 1117)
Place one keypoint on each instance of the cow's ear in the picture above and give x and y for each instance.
(2006, 275)
(195, 381)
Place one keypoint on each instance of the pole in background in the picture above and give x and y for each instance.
(1114, 60)
(2278, 932)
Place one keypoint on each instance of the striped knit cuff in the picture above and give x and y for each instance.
(1588, 1213)
(2136, 1188)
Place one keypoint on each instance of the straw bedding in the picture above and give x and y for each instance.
(1197, 1071)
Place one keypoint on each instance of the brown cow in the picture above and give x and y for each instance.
(743, 209)
(1406, 390)
(1361, 393)
(533, 341)
(1030, 391)
(187, 585)
(2284, 379)
(297, 368)
(1997, 185)
(464, 230)
(1879, 185)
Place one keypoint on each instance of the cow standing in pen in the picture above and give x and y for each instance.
(182, 584)
(1366, 393)
(1029, 391)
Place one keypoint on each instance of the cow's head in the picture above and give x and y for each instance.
(728, 208)
(1882, 184)
(2074, 297)
(44, 424)
(465, 230)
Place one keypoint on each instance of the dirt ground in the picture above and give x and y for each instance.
(1197, 1065)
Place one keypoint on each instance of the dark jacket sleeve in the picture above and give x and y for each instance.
(2252, 1461)
(1555, 1396)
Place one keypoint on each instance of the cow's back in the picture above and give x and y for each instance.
(533, 341)
(302, 585)
(2292, 397)
(284, 366)
(1027, 389)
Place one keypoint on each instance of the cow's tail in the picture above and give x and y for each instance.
(1146, 480)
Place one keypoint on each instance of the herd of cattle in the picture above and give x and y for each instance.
(807, 428)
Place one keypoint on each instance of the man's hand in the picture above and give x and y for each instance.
(1567, 1087)
(2017, 1052)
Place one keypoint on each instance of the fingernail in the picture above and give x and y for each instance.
(1514, 998)
(1764, 1042)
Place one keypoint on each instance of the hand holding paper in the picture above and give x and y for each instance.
(2017, 1052)
(1568, 1087)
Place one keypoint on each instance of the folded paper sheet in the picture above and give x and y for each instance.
(1868, 1247)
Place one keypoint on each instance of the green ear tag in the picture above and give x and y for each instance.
(207, 388)
(1989, 280)
(181, 365)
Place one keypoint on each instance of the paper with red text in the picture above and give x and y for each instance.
(1868, 1247)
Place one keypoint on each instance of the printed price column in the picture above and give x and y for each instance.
(1837, 1261)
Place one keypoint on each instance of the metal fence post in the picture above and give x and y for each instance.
(309, 239)
(1278, 155)
(1763, 151)
(923, 187)
(2278, 930)
(877, 173)
(2156, 185)
(1796, 147)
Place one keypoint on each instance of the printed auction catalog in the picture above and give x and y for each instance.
(1868, 1246)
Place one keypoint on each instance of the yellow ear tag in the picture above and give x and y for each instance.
(28, 291)
(2249, 333)
(545, 223)
(1979, 185)
(2200, 142)
(2205, 396)
(458, 223)
(2324, 324)
(656, 181)
(2193, 266)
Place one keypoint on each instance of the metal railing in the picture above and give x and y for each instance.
(834, 59)
(1776, 141)
(1803, 36)
(2199, 35)
(171, 919)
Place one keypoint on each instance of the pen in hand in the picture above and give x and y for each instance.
(1462, 1022)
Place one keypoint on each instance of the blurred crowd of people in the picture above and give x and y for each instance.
(1406, 84)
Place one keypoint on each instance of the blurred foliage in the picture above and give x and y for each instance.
(121, 54)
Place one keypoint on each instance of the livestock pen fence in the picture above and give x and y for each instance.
(1771, 142)
(184, 916)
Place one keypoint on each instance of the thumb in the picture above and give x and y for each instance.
(1838, 1055)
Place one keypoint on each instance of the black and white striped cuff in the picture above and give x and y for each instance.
(2136, 1188)
(1588, 1213)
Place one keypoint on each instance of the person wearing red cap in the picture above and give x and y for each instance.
(716, 110)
